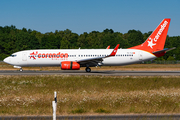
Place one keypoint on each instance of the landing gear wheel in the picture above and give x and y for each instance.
(20, 69)
(88, 69)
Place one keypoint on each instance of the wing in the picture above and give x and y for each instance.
(96, 61)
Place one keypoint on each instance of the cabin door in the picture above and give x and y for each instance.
(140, 55)
(24, 56)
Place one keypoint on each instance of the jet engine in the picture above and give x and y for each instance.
(70, 65)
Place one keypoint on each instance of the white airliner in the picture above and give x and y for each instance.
(73, 59)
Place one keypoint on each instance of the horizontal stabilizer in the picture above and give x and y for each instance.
(164, 50)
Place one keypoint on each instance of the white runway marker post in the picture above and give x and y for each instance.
(54, 104)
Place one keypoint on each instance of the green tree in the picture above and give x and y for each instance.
(64, 43)
(82, 41)
(135, 37)
(170, 58)
(13, 40)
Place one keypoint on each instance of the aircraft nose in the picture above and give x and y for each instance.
(6, 60)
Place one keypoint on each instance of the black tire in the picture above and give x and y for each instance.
(88, 69)
(20, 69)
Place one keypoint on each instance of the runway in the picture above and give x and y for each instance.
(100, 73)
(99, 117)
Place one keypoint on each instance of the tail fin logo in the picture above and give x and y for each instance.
(150, 43)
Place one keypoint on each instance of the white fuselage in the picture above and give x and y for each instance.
(55, 57)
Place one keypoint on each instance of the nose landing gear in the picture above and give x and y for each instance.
(20, 69)
(88, 69)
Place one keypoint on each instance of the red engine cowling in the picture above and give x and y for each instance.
(69, 65)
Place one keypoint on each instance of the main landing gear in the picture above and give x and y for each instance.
(88, 69)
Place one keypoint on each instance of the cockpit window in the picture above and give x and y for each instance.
(13, 55)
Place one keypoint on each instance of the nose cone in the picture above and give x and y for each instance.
(6, 60)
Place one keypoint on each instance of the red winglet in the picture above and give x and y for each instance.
(108, 47)
(114, 51)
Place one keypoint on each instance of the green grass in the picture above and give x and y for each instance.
(102, 110)
(33, 95)
(78, 110)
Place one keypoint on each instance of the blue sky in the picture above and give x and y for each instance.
(90, 15)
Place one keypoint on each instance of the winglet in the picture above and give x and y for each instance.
(108, 47)
(114, 51)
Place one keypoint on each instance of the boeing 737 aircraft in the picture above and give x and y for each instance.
(73, 59)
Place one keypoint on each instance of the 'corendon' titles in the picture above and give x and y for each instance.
(60, 55)
(160, 31)
(157, 35)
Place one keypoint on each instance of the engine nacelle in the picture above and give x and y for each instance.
(69, 65)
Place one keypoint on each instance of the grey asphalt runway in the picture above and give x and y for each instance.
(82, 72)
(99, 117)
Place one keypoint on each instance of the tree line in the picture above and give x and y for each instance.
(13, 40)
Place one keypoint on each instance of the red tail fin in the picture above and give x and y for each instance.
(156, 40)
